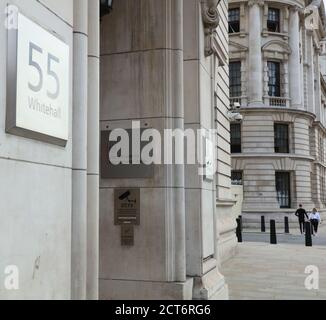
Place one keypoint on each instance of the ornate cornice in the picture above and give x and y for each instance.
(279, 110)
(296, 8)
(255, 2)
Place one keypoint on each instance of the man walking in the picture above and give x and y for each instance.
(315, 219)
(301, 214)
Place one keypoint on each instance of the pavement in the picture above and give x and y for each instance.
(261, 271)
(293, 238)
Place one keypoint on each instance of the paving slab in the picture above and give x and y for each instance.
(261, 271)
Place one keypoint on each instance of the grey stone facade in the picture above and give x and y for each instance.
(299, 104)
(164, 63)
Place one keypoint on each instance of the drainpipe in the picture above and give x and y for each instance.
(79, 153)
(93, 150)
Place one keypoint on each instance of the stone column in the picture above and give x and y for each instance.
(310, 70)
(255, 54)
(93, 149)
(142, 80)
(205, 246)
(294, 60)
(79, 153)
(286, 79)
(317, 88)
(242, 20)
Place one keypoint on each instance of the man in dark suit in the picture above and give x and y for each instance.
(301, 214)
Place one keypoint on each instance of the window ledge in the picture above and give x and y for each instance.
(273, 155)
(266, 33)
(240, 34)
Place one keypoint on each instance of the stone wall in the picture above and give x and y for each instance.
(36, 184)
(226, 217)
(163, 73)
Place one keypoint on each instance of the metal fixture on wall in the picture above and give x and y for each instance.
(105, 7)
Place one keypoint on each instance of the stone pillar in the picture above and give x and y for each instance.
(310, 70)
(242, 20)
(79, 153)
(286, 15)
(286, 79)
(265, 81)
(255, 54)
(294, 60)
(318, 89)
(304, 68)
(203, 222)
(93, 150)
(142, 80)
(323, 58)
(265, 18)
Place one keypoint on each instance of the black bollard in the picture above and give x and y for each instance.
(263, 227)
(308, 234)
(273, 232)
(286, 225)
(241, 224)
(239, 232)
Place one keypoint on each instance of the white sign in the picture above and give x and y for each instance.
(40, 105)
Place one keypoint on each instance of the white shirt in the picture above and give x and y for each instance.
(314, 216)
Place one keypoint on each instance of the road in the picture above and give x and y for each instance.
(319, 240)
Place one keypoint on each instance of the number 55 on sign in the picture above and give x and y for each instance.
(38, 83)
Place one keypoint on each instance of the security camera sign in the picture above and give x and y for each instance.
(127, 206)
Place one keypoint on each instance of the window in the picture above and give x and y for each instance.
(236, 178)
(234, 20)
(283, 189)
(322, 185)
(321, 150)
(281, 138)
(273, 20)
(235, 138)
(322, 188)
(274, 79)
(235, 79)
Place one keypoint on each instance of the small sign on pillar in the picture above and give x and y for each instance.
(127, 213)
(127, 235)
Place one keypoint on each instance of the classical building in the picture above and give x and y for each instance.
(66, 228)
(276, 82)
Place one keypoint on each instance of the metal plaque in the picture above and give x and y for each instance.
(127, 206)
(127, 235)
(38, 88)
(122, 171)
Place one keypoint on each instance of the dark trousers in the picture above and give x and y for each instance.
(302, 225)
(315, 224)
